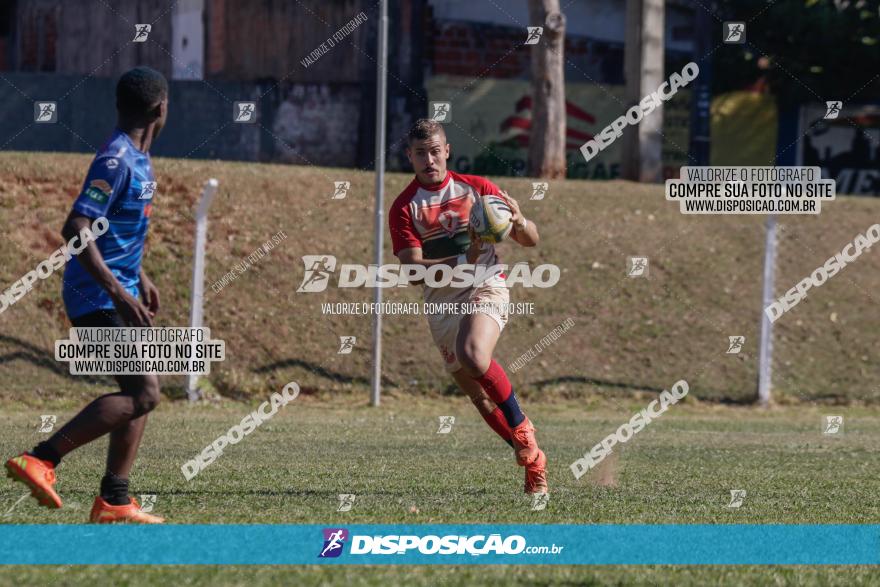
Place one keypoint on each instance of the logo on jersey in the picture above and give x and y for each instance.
(99, 191)
(148, 188)
(334, 540)
(318, 270)
(45, 112)
(450, 221)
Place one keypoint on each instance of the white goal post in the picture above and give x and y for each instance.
(765, 351)
(196, 309)
(379, 217)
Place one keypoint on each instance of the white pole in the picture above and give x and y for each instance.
(381, 75)
(198, 280)
(765, 355)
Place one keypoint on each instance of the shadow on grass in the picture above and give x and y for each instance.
(43, 359)
(321, 371)
(323, 493)
(705, 395)
(595, 382)
(714, 396)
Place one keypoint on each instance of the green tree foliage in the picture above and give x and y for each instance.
(807, 50)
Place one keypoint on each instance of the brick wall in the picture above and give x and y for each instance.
(268, 39)
(84, 36)
(4, 53)
(469, 49)
(473, 49)
(215, 33)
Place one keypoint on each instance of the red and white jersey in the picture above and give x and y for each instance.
(436, 218)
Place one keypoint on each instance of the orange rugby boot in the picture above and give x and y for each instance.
(536, 475)
(38, 475)
(524, 444)
(130, 513)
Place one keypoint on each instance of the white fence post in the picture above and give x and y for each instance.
(381, 93)
(765, 353)
(198, 280)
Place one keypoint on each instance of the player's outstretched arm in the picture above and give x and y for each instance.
(525, 232)
(131, 310)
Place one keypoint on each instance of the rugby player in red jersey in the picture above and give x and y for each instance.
(429, 226)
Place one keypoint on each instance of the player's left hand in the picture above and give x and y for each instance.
(516, 215)
(150, 294)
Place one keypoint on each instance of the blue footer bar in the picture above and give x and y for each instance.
(442, 544)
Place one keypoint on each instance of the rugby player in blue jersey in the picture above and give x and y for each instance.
(105, 286)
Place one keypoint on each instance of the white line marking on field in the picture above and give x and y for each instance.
(20, 499)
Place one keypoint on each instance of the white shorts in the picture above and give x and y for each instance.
(444, 327)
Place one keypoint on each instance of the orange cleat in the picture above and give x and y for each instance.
(38, 475)
(130, 513)
(524, 444)
(536, 475)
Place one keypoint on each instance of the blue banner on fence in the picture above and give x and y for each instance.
(442, 544)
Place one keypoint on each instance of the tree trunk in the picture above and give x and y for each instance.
(547, 135)
(643, 70)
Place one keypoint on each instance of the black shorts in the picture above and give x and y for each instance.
(99, 319)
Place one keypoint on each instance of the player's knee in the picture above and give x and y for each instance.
(474, 360)
(147, 397)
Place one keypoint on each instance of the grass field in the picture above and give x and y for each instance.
(631, 338)
(679, 470)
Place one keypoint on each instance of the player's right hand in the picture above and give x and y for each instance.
(133, 312)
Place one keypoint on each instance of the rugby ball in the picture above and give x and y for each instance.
(490, 218)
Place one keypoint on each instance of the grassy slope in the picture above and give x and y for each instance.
(629, 334)
(679, 470)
